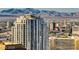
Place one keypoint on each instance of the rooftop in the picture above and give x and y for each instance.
(9, 43)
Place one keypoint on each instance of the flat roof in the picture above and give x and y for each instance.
(64, 38)
(9, 43)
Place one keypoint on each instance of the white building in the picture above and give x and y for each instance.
(32, 32)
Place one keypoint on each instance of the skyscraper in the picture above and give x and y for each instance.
(32, 32)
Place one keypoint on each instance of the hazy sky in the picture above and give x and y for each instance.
(63, 9)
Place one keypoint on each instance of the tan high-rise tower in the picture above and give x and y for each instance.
(32, 32)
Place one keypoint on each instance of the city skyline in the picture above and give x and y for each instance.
(38, 29)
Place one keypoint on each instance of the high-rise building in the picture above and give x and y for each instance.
(32, 32)
(12, 34)
(8, 25)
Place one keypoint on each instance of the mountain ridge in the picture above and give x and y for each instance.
(12, 11)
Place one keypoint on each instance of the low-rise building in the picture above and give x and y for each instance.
(75, 30)
(51, 42)
(64, 43)
(6, 45)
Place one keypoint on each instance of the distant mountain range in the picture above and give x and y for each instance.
(12, 11)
